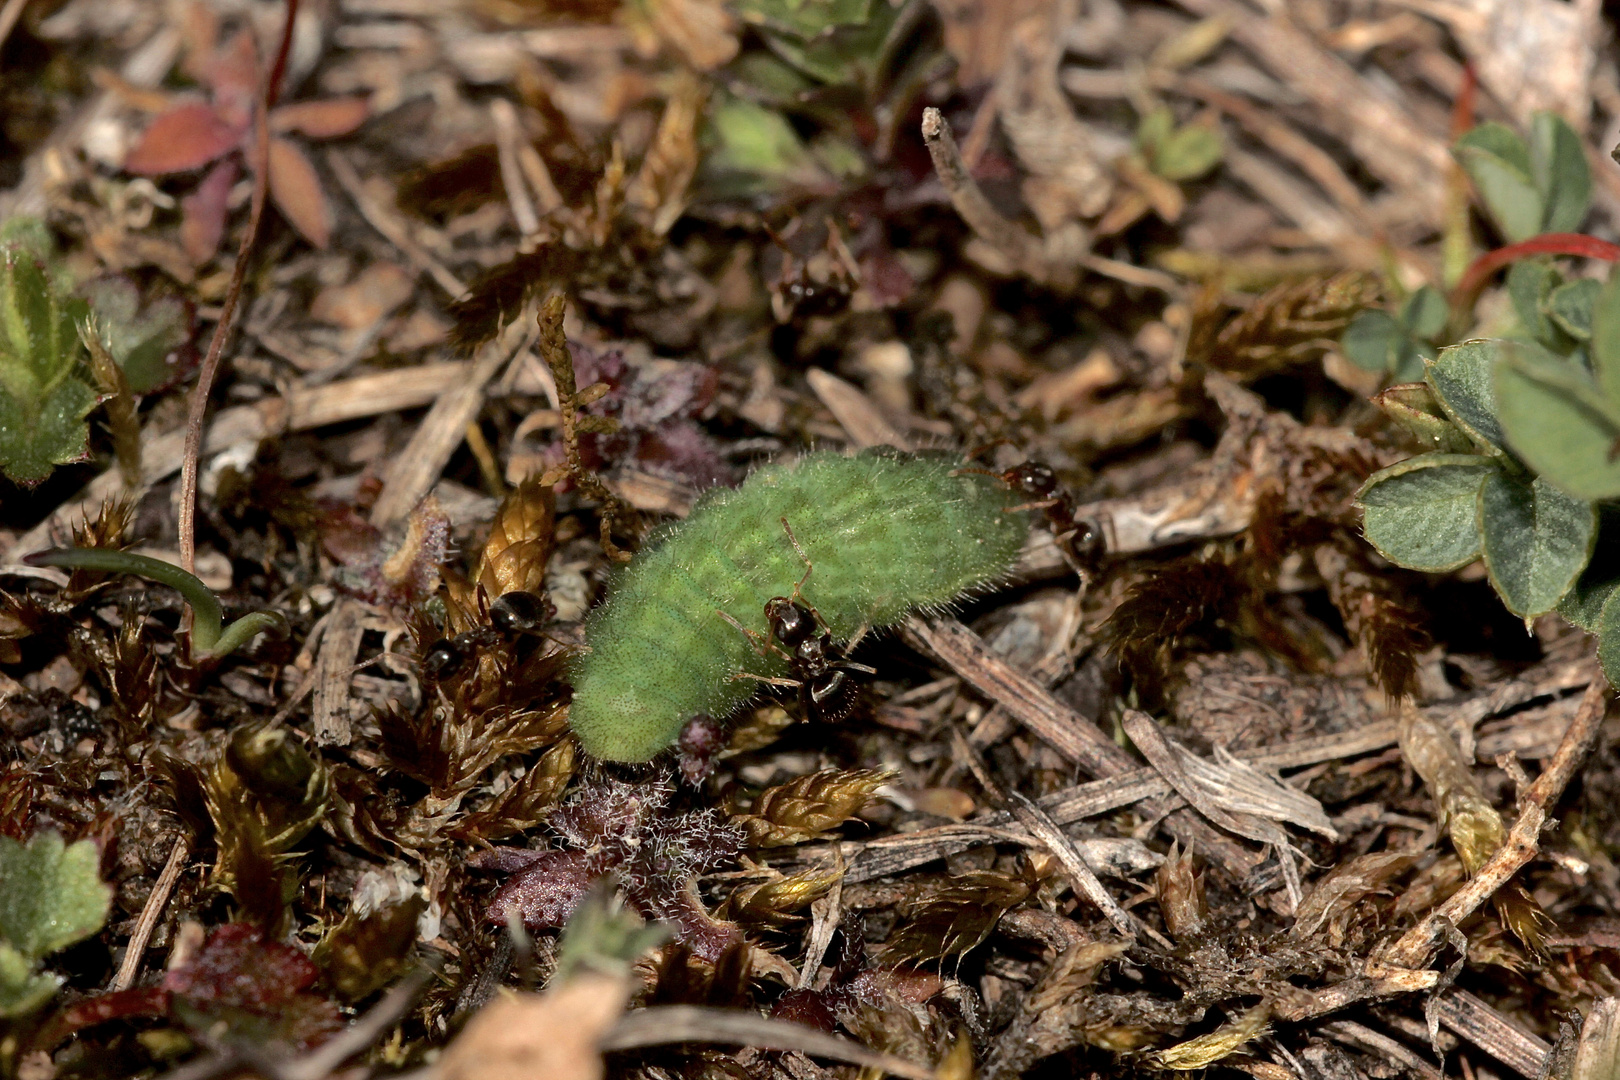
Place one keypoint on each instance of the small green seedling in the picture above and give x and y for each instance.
(1178, 153)
(210, 638)
(1398, 343)
(1524, 469)
(51, 895)
(1529, 186)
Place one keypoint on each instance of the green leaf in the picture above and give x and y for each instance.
(1530, 282)
(34, 440)
(1537, 540)
(42, 402)
(1462, 381)
(1583, 604)
(1606, 337)
(1572, 305)
(144, 340)
(804, 18)
(1425, 313)
(1499, 164)
(1412, 358)
(1608, 632)
(51, 894)
(1558, 421)
(1558, 163)
(1422, 513)
(755, 150)
(1413, 407)
(22, 989)
(1188, 152)
(1369, 341)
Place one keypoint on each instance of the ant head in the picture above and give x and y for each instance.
(444, 658)
(1032, 478)
(791, 622)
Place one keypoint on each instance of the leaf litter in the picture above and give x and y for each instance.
(1282, 753)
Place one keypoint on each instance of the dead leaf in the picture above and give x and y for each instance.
(296, 190)
(186, 137)
(701, 31)
(369, 298)
(328, 118)
(538, 1037)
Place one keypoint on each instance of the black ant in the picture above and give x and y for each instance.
(821, 667)
(510, 614)
(1079, 539)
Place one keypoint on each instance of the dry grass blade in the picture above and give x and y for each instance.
(665, 1024)
(1523, 840)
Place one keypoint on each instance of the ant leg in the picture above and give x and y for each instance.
(768, 680)
(798, 597)
(1044, 504)
(808, 567)
(764, 649)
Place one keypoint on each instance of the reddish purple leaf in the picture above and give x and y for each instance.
(202, 225)
(184, 138)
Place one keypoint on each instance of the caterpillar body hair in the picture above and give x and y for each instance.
(886, 534)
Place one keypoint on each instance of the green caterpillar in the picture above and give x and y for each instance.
(885, 533)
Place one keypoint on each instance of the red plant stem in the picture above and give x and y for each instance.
(1462, 110)
(1480, 270)
(259, 160)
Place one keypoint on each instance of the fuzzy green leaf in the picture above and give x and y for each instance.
(1462, 382)
(1558, 164)
(1425, 313)
(1605, 346)
(1499, 164)
(37, 437)
(1537, 540)
(1608, 632)
(1530, 283)
(1370, 340)
(22, 988)
(43, 404)
(51, 894)
(1422, 513)
(1413, 407)
(1583, 604)
(1572, 305)
(1558, 421)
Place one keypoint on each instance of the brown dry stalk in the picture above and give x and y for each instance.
(259, 157)
(1014, 243)
(553, 347)
(1523, 840)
